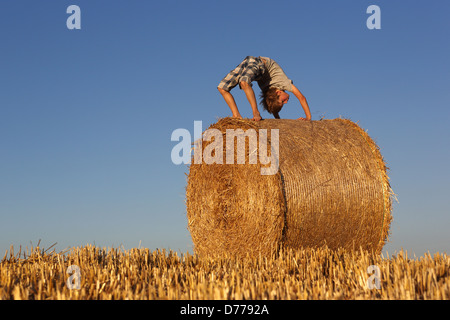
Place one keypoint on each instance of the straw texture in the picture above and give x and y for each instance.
(331, 189)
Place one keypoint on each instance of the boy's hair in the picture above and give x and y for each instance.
(269, 100)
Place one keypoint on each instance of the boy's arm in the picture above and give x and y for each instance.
(303, 102)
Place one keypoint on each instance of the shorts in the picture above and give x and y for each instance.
(251, 69)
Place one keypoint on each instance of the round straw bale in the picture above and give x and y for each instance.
(330, 187)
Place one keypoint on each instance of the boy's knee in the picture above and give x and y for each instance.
(244, 85)
(222, 91)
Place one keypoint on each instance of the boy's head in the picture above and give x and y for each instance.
(273, 99)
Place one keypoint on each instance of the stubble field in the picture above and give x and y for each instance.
(93, 273)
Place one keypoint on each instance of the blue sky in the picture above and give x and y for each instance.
(86, 115)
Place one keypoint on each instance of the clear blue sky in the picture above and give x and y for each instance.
(86, 115)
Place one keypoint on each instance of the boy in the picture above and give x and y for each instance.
(273, 83)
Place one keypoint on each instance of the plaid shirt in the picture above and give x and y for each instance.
(250, 69)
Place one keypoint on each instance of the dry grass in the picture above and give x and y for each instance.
(295, 274)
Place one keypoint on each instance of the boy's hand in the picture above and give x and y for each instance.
(305, 119)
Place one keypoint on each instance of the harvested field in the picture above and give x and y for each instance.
(321, 273)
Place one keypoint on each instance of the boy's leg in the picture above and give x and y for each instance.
(251, 99)
(247, 71)
(229, 99)
(230, 81)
